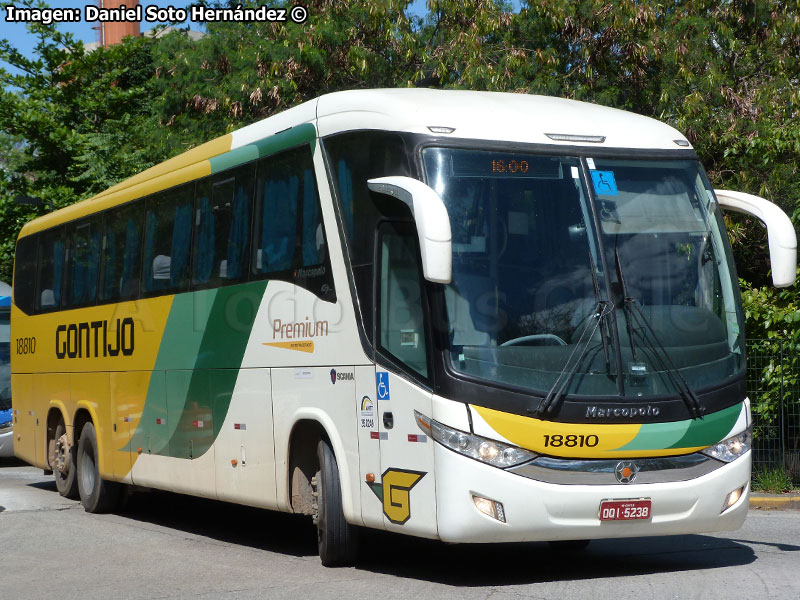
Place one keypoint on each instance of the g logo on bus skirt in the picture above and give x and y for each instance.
(395, 492)
(626, 471)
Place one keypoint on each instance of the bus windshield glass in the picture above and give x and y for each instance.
(534, 281)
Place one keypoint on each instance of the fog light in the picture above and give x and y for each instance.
(490, 508)
(732, 498)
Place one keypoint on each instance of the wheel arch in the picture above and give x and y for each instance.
(56, 412)
(308, 428)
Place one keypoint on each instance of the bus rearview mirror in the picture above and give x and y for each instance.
(433, 223)
(780, 231)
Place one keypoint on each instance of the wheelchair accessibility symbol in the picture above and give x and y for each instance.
(382, 384)
(604, 183)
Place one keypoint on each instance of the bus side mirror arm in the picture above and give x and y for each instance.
(433, 223)
(780, 231)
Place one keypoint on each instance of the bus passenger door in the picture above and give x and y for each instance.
(406, 486)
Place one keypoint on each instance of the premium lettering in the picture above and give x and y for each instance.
(94, 339)
(598, 412)
(294, 331)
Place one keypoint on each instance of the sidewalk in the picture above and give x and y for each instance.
(764, 501)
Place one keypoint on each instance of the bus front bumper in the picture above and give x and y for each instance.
(538, 511)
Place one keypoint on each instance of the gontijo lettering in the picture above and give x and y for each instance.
(93, 339)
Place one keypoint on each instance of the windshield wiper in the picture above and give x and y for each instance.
(556, 393)
(604, 326)
(633, 312)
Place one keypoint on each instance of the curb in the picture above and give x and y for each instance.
(776, 502)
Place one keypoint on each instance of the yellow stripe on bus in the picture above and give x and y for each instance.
(188, 158)
(188, 166)
(587, 440)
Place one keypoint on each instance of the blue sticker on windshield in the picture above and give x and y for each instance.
(604, 183)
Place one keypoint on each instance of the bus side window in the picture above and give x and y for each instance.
(288, 236)
(121, 258)
(25, 273)
(83, 261)
(222, 227)
(167, 239)
(353, 159)
(401, 329)
(50, 269)
(276, 225)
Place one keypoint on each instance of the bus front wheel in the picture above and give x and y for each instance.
(63, 463)
(336, 538)
(97, 495)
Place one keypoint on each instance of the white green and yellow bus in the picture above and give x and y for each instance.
(465, 316)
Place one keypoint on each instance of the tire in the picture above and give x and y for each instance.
(97, 496)
(67, 485)
(336, 538)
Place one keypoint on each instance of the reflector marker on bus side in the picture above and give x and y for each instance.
(161, 421)
(379, 435)
(417, 437)
(198, 424)
(241, 426)
(126, 419)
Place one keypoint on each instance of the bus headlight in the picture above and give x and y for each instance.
(480, 448)
(731, 448)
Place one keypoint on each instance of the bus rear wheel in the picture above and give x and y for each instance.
(63, 463)
(97, 495)
(336, 538)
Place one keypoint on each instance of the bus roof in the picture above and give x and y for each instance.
(520, 118)
(490, 116)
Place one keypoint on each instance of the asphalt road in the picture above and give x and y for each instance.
(170, 546)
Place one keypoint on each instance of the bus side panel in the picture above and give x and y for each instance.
(24, 424)
(150, 433)
(91, 391)
(244, 449)
(369, 445)
(50, 389)
(189, 413)
(128, 395)
(408, 483)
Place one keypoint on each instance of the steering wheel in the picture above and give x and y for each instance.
(534, 338)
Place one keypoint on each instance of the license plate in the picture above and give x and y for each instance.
(625, 510)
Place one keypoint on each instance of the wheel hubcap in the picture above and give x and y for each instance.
(61, 461)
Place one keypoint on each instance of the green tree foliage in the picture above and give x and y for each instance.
(71, 124)
(240, 73)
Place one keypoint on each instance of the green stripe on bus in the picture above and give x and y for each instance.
(198, 361)
(180, 343)
(656, 436)
(302, 134)
(207, 389)
(710, 429)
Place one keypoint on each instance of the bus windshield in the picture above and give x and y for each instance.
(534, 281)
